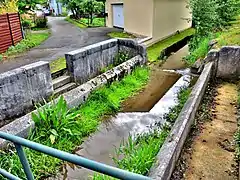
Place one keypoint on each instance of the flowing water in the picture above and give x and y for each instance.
(138, 114)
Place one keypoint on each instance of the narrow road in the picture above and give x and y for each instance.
(65, 37)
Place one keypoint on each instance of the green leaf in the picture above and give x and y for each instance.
(52, 138)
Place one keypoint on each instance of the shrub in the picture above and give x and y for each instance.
(41, 22)
(26, 23)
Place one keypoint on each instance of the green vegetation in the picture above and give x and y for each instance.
(83, 22)
(76, 22)
(97, 22)
(211, 18)
(65, 129)
(121, 35)
(139, 155)
(230, 35)
(58, 64)
(154, 51)
(31, 40)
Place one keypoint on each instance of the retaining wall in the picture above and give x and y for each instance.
(226, 62)
(74, 98)
(87, 62)
(22, 87)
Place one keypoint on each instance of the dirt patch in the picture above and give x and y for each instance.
(209, 153)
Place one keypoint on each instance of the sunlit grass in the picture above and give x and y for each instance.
(154, 51)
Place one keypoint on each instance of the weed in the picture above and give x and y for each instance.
(139, 155)
(65, 129)
(200, 51)
(121, 57)
(174, 112)
(103, 70)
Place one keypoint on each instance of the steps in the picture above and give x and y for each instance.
(62, 84)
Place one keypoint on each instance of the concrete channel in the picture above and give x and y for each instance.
(139, 114)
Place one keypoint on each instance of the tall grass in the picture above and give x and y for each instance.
(64, 129)
(139, 155)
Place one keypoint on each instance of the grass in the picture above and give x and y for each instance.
(65, 129)
(155, 50)
(120, 35)
(83, 22)
(231, 35)
(76, 22)
(228, 36)
(97, 22)
(139, 155)
(58, 64)
(31, 40)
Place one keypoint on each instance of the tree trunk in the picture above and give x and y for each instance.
(91, 18)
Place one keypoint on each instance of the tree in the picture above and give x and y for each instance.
(29, 5)
(92, 7)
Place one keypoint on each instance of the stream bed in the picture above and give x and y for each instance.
(139, 113)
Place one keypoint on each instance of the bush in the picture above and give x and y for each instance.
(41, 22)
(26, 23)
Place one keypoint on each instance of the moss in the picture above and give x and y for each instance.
(58, 64)
(120, 35)
(155, 50)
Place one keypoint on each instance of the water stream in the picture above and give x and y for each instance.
(138, 114)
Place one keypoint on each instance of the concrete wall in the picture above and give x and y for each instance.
(21, 87)
(169, 16)
(87, 62)
(23, 125)
(228, 62)
(138, 17)
(153, 18)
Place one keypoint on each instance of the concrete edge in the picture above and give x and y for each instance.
(171, 149)
(23, 125)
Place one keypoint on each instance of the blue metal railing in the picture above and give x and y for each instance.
(81, 161)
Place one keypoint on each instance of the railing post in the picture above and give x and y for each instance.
(24, 161)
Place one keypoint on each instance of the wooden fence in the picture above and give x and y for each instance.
(10, 30)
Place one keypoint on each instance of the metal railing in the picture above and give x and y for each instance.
(77, 160)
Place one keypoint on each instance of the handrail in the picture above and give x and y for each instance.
(81, 161)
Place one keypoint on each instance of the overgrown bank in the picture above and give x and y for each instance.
(139, 154)
(65, 129)
(213, 20)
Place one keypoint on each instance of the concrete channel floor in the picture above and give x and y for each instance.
(101, 145)
(64, 37)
